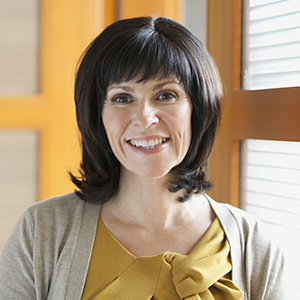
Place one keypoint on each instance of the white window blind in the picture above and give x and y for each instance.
(19, 47)
(18, 177)
(270, 189)
(271, 44)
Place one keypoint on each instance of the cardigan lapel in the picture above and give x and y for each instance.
(231, 228)
(83, 251)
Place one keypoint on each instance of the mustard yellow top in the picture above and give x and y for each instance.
(115, 273)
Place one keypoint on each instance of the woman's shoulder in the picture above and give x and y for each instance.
(57, 202)
(253, 248)
(239, 224)
(55, 221)
(45, 240)
(229, 215)
(58, 211)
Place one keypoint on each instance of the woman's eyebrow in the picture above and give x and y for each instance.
(123, 87)
(130, 89)
(160, 85)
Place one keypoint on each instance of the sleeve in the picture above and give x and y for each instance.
(277, 288)
(16, 262)
(265, 265)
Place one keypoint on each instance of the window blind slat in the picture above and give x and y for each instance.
(271, 173)
(273, 24)
(289, 50)
(271, 188)
(280, 160)
(274, 9)
(257, 3)
(274, 66)
(271, 81)
(273, 38)
(276, 217)
(270, 201)
(268, 146)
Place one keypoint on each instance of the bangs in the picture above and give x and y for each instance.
(146, 55)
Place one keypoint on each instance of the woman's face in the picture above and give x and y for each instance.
(148, 125)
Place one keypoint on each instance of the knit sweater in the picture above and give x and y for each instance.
(48, 253)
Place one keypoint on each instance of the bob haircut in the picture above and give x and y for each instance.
(141, 49)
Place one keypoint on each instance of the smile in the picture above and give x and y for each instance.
(147, 144)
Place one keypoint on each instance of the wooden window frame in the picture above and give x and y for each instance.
(272, 114)
(66, 28)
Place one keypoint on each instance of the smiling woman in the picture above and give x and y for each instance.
(163, 57)
(140, 226)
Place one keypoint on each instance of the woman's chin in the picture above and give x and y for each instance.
(148, 172)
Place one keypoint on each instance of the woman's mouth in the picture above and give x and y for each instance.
(147, 144)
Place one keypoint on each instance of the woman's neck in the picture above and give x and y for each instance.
(149, 204)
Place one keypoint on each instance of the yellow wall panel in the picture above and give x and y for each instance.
(169, 8)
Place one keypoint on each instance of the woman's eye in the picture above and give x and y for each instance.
(121, 99)
(167, 96)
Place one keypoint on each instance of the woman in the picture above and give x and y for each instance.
(148, 102)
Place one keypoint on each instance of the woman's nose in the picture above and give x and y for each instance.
(145, 115)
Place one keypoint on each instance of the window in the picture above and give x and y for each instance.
(270, 189)
(270, 170)
(19, 59)
(257, 112)
(18, 176)
(271, 44)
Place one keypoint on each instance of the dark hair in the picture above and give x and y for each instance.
(143, 48)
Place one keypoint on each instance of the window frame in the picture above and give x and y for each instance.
(272, 114)
(50, 112)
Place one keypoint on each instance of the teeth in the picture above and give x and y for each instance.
(147, 144)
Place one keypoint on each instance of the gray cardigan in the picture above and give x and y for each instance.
(48, 253)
